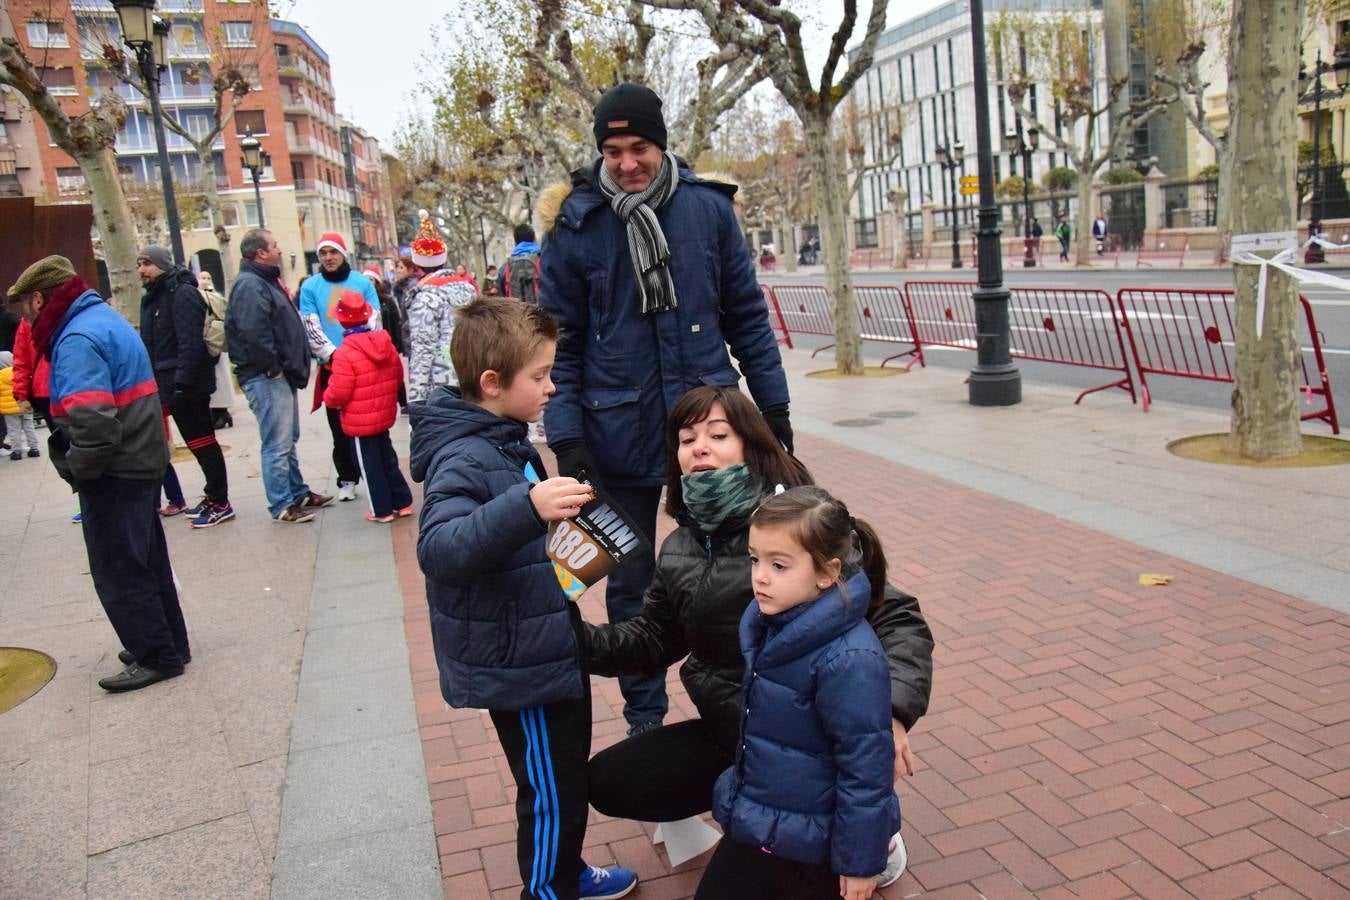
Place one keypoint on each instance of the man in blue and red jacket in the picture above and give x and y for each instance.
(109, 445)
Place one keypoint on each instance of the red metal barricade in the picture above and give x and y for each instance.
(1071, 326)
(776, 320)
(1192, 334)
(883, 315)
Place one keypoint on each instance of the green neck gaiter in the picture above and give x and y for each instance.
(714, 496)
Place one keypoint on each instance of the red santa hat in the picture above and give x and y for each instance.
(352, 309)
(373, 273)
(428, 250)
(334, 240)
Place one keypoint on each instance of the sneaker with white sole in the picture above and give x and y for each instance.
(346, 491)
(606, 884)
(213, 514)
(895, 863)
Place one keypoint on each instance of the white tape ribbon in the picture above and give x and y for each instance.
(1281, 261)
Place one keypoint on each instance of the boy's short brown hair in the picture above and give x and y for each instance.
(496, 333)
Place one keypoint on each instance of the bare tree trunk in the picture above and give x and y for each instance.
(1083, 244)
(834, 243)
(789, 249)
(1223, 212)
(115, 228)
(211, 194)
(1263, 53)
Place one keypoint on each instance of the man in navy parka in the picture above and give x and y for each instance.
(631, 346)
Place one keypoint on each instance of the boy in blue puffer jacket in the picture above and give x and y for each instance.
(809, 808)
(504, 632)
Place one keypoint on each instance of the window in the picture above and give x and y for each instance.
(47, 33)
(252, 76)
(229, 212)
(251, 213)
(866, 232)
(69, 181)
(95, 33)
(246, 120)
(298, 171)
(60, 82)
(238, 34)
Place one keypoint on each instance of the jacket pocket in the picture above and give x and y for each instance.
(612, 427)
(723, 376)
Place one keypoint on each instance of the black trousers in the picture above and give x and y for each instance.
(386, 487)
(193, 417)
(42, 410)
(546, 748)
(644, 696)
(129, 562)
(662, 775)
(344, 451)
(737, 871)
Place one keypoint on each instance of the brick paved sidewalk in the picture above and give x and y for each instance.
(1087, 736)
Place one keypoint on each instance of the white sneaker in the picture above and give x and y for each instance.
(346, 490)
(895, 863)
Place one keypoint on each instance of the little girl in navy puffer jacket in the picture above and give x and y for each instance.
(809, 807)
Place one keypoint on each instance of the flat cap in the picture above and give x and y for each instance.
(42, 275)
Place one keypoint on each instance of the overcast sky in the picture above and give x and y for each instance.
(378, 58)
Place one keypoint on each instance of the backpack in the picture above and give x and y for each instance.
(214, 330)
(522, 277)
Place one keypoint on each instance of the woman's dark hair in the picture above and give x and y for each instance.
(768, 462)
(823, 527)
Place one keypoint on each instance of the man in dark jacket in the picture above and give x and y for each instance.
(109, 445)
(632, 346)
(173, 322)
(271, 363)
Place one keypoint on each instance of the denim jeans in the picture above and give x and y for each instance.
(277, 410)
(644, 696)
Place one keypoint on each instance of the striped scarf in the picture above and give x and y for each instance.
(646, 242)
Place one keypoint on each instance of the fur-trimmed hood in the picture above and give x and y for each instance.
(551, 199)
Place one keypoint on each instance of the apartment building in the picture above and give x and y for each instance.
(306, 188)
(920, 85)
(372, 207)
(312, 133)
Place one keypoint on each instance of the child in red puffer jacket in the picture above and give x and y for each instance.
(367, 375)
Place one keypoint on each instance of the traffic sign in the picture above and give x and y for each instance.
(969, 190)
(970, 181)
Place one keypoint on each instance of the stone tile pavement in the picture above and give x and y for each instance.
(1088, 736)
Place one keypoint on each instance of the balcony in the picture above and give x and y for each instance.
(183, 7)
(323, 188)
(194, 51)
(301, 144)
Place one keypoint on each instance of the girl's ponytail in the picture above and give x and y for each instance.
(873, 562)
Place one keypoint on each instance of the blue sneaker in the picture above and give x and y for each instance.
(604, 884)
(213, 514)
(77, 518)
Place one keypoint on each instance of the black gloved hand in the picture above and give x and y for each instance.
(779, 425)
(575, 461)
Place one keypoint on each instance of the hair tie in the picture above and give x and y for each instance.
(778, 489)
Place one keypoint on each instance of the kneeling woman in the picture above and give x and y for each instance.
(723, 461)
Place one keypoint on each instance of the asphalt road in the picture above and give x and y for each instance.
(1331, 309)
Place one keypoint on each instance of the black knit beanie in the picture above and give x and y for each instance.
(630, 108)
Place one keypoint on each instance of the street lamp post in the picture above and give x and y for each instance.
(147, 36)
(994, 381)
(482, 236)
(1341, 70)
(255, 160)
(1018, 146)
(952, 158)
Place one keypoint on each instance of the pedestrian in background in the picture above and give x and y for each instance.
(109, 446)
(270, 355)
(32, 375)
(431, 314)
(319, 296)
(519, 277)
(18, 420)
(364, 388)
(173, 325)
(222, 400)
(1063, 233)
(643, 321)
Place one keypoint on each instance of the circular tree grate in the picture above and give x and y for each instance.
(893, 414)
(857, 423)
(1215, 448)
(22, 674)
